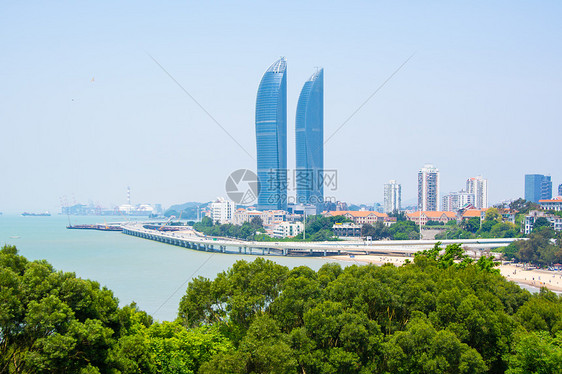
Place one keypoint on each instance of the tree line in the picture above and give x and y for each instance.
(439, 313)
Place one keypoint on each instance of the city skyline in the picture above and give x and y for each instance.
(90, 102)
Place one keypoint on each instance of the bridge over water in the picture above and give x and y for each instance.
(192, 239)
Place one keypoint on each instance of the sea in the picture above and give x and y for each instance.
(154, 275)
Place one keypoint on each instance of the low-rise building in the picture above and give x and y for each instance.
(347, 229)
(467, 214)
(288, 229)
(508, 215)
(242, 215)
(421, 218)
(555, 221)
(552, 204)
(363, 216)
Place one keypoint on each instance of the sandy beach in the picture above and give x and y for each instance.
(516, 273)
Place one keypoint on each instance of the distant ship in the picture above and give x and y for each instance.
(27, 214)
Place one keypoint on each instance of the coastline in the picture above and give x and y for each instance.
(515, 273)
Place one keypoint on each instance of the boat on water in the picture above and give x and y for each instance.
(27, 214)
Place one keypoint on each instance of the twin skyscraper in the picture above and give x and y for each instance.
(271, 139)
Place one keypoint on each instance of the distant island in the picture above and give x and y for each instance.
(27, 214)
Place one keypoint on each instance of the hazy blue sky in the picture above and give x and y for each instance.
(482, 94)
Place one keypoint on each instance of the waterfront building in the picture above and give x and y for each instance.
(392, 197)
(288, 229)
(552, 204)
(457, 200)
(478, 186)
(309, 139)
(421, 218)
(538, 187)
(271, 137)
(222, 211)
(428, 188)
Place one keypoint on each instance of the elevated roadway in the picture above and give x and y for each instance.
(192, 239)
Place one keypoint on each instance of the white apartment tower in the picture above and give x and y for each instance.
(479, 187)
(222, 210)
(392, 197)
(428, 188)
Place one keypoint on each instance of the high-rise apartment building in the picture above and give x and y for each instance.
(454, 201)
(428, 188)
(392, 197)
(271, 137)
(309, 137)
(479, 187)
(538, 187)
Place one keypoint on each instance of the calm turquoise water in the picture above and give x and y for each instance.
(135, 269)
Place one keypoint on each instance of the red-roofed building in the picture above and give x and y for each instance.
(421, 218)
(552, 204)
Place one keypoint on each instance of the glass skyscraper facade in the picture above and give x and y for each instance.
(309, 135)
(271, 137)
(538, 187)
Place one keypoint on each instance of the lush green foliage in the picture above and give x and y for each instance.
(491, 227)
(401, 230)
(318, 228)
(539, 248)
(53, 322)
(246, 231)
(441, 313)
